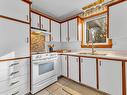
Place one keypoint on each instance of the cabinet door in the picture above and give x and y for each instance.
(35, 20)
(64, 65)
(73, 68)
(110, 77)
(64, 32)
(45, 23)
(88, 72)
(55, 31)
(118, 21)
(73, 30)
(16, 9)
(14, 39)
(59, 66)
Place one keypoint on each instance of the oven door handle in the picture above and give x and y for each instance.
(43, 62)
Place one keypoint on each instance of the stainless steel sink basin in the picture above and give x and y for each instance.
(101, 54)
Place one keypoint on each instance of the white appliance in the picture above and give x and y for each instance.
(44, 71)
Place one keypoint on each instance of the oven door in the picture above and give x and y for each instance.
(43, 70)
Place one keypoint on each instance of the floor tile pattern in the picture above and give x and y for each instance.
(68, 87)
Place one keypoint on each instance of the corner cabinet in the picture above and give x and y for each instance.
(73, 65)
(110, 76)
(16, 9)
(73, 30)
(55, 31)
(88, 72)
(64, 65)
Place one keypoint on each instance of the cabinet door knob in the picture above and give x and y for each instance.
(77, 59)
(27, 17)
(15, 93)
(100, 63)
(13, 64)
(13, 73)
(81, 60)
(14, 83)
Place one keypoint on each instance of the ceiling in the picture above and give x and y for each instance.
(60, 9)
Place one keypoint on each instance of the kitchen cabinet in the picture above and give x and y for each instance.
(35, 21)
(16, 9)
(45, 23)
(64, 65)
(88, 72)
(55, 31)
(73, 63)
(73, 30)
(14, 76)
(118, 20)
(59, 66)
(64, 32)
(110, 76)
(14, 39)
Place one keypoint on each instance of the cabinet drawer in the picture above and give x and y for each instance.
(21, 90)
(12, 83)
(13, 69)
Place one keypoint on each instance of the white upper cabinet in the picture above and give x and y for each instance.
(45, 23)
(55, 31)
(35, 21)
(73, 30)
(110, 76)
(64, 32)
(64, 65)
(14, 39)
(16, 9)
(88, 72)
(118, 20)
(73, 68)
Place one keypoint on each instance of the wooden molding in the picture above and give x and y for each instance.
(9, 18)
(44, 15)
(14, 59)
(27, 1)
(124, 77)
(94, 15)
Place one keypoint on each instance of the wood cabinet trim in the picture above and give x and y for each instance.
(27, 1)
(124, 77)
(14, 59)
(96, 57)
(13, 19)
(43, 15)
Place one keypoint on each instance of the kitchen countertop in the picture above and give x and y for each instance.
(101, 55)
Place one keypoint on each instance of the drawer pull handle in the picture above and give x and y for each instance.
(13, 73)
(13, 64)
(15, 93)
(14, 83)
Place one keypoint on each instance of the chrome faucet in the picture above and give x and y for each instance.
(92, 34)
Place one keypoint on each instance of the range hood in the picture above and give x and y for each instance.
(41, 31)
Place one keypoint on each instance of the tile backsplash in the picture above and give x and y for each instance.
(37, 43)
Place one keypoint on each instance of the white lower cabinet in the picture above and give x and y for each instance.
(73, 63)
(64, 65)
(110, 76)
(59, 66)
(14, 77)
(88, 72)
